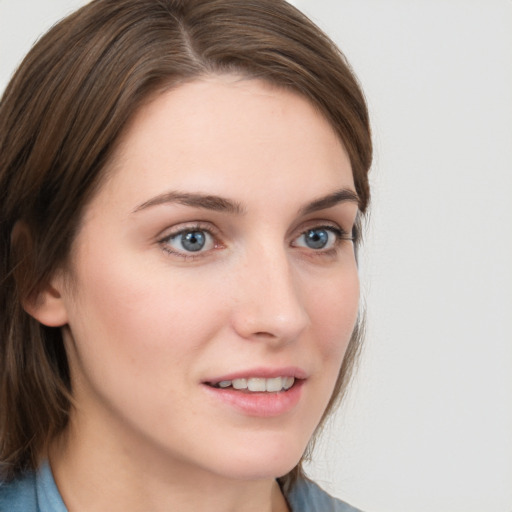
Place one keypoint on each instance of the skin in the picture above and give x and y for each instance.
(145, 323)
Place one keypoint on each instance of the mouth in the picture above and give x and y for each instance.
(259, 392)
(256, 384)
(258, 396)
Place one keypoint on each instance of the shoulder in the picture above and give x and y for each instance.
(32, 492)
(306, 496)
(19, 495)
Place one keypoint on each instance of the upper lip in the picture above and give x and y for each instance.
(262, 373)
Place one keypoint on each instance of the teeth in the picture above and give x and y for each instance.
(240, 383)
(288, 382)
(274, 384)
(258, 384)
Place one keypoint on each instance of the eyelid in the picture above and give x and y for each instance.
(339, 233)
(179, 229)
(187, 226)
(324, 224)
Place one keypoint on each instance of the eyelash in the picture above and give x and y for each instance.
(189, 256)
(340, 234)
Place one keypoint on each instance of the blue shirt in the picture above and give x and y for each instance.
(37, 492)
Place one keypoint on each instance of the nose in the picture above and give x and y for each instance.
(269, 303)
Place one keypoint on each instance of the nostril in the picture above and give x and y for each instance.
(263, 334)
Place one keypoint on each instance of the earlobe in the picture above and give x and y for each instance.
(48, 307)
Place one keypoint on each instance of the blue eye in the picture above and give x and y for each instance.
(319, 238)
(316, 238)
(191, 240)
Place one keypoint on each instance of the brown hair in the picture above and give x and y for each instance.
(60, 118)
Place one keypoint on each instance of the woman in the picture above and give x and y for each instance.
(182, 186)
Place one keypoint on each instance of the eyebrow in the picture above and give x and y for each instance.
(206, 201)
(340, 196)
(221, 204)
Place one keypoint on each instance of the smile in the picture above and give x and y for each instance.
(257, 384)
(257, 396)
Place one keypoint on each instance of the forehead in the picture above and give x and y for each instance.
(216, 134)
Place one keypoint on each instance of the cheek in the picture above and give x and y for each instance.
(333, 310)
(142, 325)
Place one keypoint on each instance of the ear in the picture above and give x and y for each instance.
(47, 304)
(48, 307)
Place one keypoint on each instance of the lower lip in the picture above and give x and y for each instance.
(262, 404)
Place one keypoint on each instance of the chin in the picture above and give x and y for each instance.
(261, 459)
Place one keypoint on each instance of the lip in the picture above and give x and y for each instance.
(262, 373)
(259, 404)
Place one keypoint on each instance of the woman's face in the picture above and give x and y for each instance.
(216, 255)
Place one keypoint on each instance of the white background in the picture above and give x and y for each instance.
(428, 425)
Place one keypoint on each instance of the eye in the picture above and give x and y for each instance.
(320, 238)
(189, 241)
